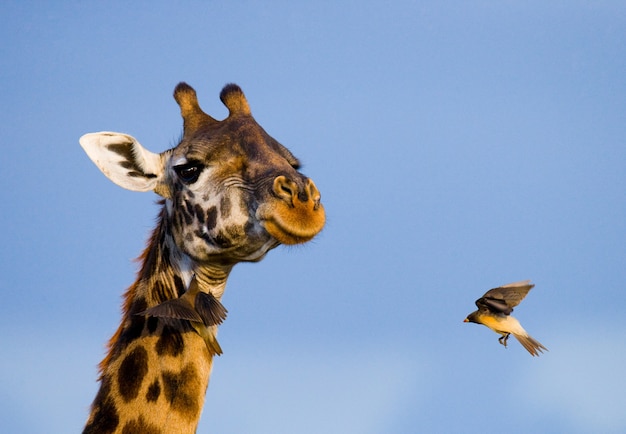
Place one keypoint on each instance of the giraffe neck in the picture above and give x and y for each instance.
(155, 375)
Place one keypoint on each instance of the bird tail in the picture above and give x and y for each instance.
(533, 346)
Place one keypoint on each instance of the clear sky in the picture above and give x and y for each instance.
(458, 146)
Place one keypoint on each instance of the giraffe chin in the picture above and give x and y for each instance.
(293, 225)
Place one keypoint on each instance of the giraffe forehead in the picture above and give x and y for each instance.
(241, 139)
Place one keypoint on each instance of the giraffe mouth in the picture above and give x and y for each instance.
(294, 224)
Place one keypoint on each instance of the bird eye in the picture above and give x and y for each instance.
(189, 172)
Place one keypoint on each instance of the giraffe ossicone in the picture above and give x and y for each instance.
(230, 193)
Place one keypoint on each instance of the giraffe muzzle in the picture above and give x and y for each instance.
(294, 213)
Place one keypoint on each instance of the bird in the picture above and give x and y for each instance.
(201, 309)
(494, 312)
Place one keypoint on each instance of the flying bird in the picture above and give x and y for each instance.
(201, 309)
(494, 311)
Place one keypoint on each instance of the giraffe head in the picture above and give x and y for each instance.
(232, 192)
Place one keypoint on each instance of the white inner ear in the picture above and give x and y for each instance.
(123, 160)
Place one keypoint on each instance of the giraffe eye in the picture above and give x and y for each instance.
(189, 172)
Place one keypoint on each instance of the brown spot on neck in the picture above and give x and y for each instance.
(182, 390)
(132, 372)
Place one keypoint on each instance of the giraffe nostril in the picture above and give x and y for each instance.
(284, 188)
(314, 193)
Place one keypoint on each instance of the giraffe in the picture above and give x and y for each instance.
(229, 193)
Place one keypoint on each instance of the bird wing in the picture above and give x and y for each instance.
(173, 309)
(504, 298)
(493, 305)
(210, 309)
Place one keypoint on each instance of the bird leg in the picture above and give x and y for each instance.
(502, 339)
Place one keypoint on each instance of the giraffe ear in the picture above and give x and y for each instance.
(124, 161)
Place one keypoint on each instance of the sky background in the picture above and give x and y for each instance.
(458, 146)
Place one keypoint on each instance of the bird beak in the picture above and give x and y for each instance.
(465, 320)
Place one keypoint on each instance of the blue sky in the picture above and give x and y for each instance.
(457, 146)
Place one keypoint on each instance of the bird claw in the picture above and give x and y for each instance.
(502, 339)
